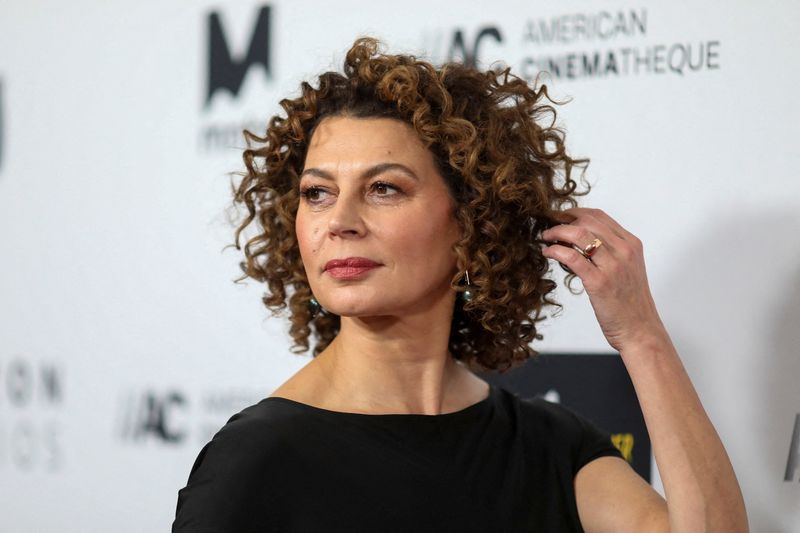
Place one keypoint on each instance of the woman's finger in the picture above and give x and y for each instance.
(599, 214)
(611, 240)
(578, 236)
(577, 263)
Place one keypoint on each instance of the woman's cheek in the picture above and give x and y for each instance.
(304, 240)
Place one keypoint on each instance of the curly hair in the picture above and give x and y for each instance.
(510, 178)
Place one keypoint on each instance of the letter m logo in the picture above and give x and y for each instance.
(225, 72)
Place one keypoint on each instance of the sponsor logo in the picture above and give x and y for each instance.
(173, 417)
(467, 51)
(593, 45)
(624, 443)
(31, 399)
(226, 73)
(793, 461)
(154, 415)
(2, 131)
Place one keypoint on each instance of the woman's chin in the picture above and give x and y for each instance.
(362, 311)
(362, 314)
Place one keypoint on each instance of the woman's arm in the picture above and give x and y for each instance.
(702, 493)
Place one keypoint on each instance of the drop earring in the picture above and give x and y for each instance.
(467, 294)
(314, 307)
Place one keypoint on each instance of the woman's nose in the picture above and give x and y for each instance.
(345, 216)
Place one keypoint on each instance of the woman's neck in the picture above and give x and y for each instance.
(390, 365)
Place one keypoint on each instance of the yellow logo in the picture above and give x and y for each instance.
(624, 443)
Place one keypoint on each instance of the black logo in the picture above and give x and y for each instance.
(793, 462)
(152, 415)
(1, 124)
(31, 397)
(224, 72)
(468, 52)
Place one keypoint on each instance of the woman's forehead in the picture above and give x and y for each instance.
(365, 141)
(364, 132)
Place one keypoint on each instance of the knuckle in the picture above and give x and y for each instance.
(572, 255)
(585, 236)
(628, 253)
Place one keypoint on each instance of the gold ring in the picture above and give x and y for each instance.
(592, 248)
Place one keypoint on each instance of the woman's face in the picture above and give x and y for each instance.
(370, 190)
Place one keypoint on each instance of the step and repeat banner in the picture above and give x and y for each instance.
(125, 344)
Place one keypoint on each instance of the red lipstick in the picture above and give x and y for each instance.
(350, 268)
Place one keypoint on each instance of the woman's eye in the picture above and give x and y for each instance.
(317, 195)
(382, 188)
(311, 194)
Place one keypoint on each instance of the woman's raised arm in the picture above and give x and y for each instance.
(702, 493)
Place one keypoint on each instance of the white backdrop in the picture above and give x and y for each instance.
(124, 344)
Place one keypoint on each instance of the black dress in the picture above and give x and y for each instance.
(503, 464)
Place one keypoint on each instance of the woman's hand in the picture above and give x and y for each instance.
(704, 494)
(614, 278)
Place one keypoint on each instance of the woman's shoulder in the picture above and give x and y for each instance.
(559, 428)
(228, 472)
(551, 414)
(272, 416)
(250, 440)
(540, 419)
(263, 421)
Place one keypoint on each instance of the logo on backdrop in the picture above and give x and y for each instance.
(31, 402)
(574, 46)
(176, 417)
(2, 130)
(793, 461)
(226, 73)
(156, 415)
(466, 50)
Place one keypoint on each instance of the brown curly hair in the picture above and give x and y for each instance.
(508, 184)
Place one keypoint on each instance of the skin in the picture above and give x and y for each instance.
(401, 310)
(703, 494)
(391, 354)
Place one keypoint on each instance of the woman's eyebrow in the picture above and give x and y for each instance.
(368, 173)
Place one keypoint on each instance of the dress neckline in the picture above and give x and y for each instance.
(476, 407)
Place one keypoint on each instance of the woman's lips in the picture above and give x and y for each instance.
(350, 272)
(350, 268)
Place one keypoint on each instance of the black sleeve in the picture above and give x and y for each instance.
(595, 442)
(585, 440)
(224, 491)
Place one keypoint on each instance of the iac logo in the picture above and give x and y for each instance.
(793, 462)
(226, 72)
(461, 46)
(174, 417)
(468, 50)
(153, 415)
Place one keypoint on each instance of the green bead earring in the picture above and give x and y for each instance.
(467, 294)
(313, 307)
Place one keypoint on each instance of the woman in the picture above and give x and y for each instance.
(413, 212)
